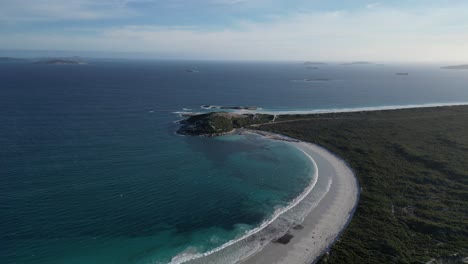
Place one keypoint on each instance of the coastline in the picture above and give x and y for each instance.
(311, 223)
(322, 226)
(393, 154)
(269, 227)
(324, 223)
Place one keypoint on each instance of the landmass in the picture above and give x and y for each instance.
(411, 165)
(63, 60)
(402, 73)
(412, 169)
(9, 59)
(314, 63)
(456, 67)
(313, 80)
(60, 62)
(357, 63)
(218, 123)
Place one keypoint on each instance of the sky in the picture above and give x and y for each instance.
(325, 30)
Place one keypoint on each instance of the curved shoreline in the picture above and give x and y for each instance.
(323, 215)
(180, 259)
(323, 225)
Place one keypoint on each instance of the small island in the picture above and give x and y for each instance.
(10, 59)
(60, 62)
(314, 63)
(313, 80)
(357, 63)
(456, 67)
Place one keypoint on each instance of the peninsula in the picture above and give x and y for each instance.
(411, 166)
(218, 123)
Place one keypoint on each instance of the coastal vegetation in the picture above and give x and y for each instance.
(411, 165)
(216, 123)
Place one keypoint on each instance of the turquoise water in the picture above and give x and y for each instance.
(92, 171)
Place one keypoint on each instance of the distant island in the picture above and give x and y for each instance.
(357, 63)
(8, 59)
(456, 67)
(314, 63)
(60, 62)
(45, 60)
(402, 73)
(313, 80)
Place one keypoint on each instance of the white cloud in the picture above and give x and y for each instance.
(373, 5)
(370, 34)
(37, 10)
(229, 1)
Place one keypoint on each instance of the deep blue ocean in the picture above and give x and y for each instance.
(91, 170)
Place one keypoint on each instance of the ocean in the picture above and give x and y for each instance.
(92, 171)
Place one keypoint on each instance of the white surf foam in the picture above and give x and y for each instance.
(186, 113)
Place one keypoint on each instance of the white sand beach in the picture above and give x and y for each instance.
(323, 225)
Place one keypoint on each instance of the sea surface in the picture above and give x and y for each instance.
(91, 170)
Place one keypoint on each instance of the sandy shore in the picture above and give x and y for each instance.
(323, 225)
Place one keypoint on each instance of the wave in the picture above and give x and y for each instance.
(208, 107)
(185, 256)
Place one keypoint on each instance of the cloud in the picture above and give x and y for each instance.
(50, 10)
(229, 1)
(373, 5)
(369, 34)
